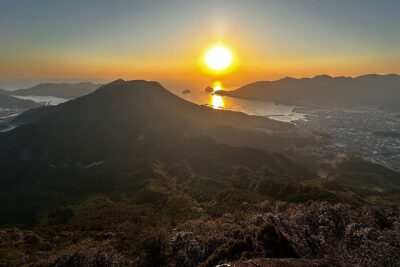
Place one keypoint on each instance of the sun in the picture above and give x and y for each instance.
(218, 58)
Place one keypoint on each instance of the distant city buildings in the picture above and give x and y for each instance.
(372, 133)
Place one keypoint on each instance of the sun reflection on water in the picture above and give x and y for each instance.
(217, 101)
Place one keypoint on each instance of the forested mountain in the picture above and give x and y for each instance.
(132, 175)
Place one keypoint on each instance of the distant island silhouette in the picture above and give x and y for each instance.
(324, 90)
(209, 89)
(62, 90)
(186, 91)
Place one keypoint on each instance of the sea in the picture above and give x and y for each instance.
(272, 110)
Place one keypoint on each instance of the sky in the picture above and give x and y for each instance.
(102, 40)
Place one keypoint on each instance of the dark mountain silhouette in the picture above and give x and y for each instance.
(325, 90)
(133, 120)
(62, 90)
(129, 114)
(4, 92)
(32, 115)
(11, 102)
(143, 107)
(132, 175)
(209, 89)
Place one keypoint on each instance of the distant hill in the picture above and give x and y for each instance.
(4, 92)
(325, 90)
(11, 102)
(62, 90)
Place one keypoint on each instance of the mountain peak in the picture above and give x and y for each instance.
(325, 90)
(133, 83)
(288, 78)
(322, 76)
(121, 85)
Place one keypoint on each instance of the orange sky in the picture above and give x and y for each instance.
(165, 40)
(189, 73)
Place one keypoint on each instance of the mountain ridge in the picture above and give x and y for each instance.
(324, 90)
(137, 107)
(62, 90)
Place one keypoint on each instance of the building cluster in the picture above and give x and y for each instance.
(372, 133)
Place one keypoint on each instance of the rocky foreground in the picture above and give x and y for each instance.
(269, 234)
(264, 262)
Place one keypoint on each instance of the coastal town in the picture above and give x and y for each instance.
(372, 133)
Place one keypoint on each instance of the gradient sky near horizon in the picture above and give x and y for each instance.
(87, 40)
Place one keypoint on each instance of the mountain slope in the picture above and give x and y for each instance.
(62, 90)
(133, 120)
(325, 90)
(130, 175)
(124, 118)
(4, 92)
(10, 102)
(137, 108)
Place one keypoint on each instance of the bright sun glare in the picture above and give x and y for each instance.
(218, 58)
